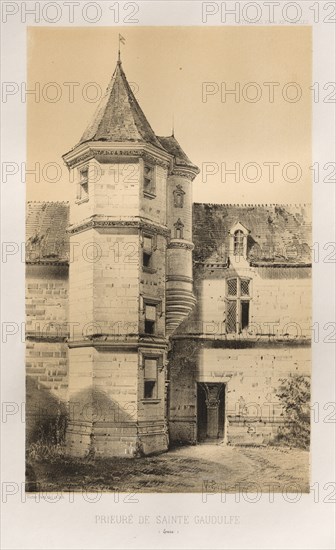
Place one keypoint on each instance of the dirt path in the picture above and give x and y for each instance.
(203, 468)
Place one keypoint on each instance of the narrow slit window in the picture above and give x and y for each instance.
(83, 188)
(178, 229)
(245, 309)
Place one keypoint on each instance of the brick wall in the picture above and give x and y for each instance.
(46, 350)
(46, 300)
(47, 327)
(47, 364)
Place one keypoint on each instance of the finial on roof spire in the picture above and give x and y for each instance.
(122, 40)
(173, 129)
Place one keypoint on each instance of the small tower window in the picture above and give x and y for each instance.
(178, 229)
(150, 378)
(178, 197)
(149, 180)
(83, 187)
(150, 319)
(238, 243)
(147, 254)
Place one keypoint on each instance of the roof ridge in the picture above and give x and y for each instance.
(241, 205)
(47, 202)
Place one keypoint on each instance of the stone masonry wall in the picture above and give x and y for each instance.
(46, 350)
(280, 302)
(253, 413)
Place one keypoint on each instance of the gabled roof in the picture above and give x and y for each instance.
(172, 146)
(239, 227)
(119, 117)
(47, 241)
(278, 234)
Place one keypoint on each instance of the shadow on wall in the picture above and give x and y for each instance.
(94, 405)
(46, 415)
(99, 425)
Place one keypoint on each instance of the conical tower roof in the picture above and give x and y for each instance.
(119, 117)
(172, 146)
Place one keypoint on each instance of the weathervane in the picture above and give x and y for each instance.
(122, 40)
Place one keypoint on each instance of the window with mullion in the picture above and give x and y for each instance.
(237, 305)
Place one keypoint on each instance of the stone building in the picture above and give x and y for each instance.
(120, 335)
(250, 328)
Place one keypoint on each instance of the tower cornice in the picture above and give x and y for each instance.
(184, 172)
(105, 151)
(103, 222)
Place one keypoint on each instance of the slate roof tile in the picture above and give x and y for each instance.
(278, 234)
(172, 146)
(119, 117)
(46, 237)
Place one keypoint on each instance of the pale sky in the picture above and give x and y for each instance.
(170, 67)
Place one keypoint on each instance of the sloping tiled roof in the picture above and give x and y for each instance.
(172, 146)
(46, 238)
(119, 117)
(278, 234)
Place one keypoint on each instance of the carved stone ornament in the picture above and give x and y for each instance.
(103, 224)
(138, 153)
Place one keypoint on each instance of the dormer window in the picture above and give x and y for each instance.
(178, 194)
(238, 241)
(83, 187)
(178, 229)
(149, 180)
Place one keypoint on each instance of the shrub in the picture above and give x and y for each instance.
(47, 440)
(294, 395)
